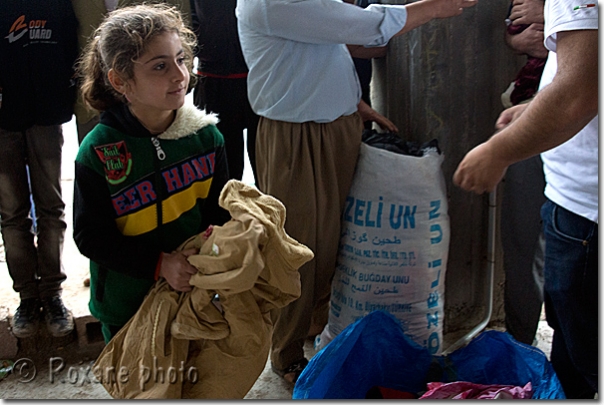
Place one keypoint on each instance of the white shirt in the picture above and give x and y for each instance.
(299, 67)
(571, 169)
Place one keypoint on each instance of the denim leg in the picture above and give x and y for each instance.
(44, 149)
(571, 298)
(16, 225)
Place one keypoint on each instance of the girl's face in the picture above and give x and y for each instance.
(160, 78)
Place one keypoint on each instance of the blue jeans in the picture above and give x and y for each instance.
(35, 268)
(571, 298)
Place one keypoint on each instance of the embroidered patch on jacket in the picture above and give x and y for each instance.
(117, 161)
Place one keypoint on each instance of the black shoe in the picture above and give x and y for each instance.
(59, 320)
(291, 373)
(27, 318)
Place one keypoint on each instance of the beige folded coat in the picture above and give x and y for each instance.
(190, 345)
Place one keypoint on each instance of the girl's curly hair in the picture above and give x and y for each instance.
(119, 41)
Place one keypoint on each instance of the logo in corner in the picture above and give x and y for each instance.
(117, 161)
(590, 5)
(13, 34)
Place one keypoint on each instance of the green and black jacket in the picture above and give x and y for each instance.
(136, 196)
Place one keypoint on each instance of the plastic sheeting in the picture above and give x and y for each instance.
(375, 352)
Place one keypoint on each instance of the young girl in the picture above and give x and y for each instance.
(148, 176)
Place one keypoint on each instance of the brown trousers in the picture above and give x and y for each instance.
(309, 167)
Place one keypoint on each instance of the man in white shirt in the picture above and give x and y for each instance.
(303, 84)
(561, 123)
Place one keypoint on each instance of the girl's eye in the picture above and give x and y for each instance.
(160, 66)
(181, 60)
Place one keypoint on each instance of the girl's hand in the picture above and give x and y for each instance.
(177, 270)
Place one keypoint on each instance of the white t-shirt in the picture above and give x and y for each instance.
(571, 169)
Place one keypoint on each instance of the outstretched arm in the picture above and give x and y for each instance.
(554, 116)
(424, 11)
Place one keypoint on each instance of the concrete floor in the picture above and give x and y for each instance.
(76, 295)
(72, 382)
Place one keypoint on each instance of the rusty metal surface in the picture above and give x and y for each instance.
(444, 80)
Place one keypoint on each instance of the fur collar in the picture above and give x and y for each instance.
(189, 119)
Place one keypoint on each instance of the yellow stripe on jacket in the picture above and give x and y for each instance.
(145, 220)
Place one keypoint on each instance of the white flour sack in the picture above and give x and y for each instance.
(394, 246)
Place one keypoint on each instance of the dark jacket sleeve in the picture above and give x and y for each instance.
(195, 24)
(213, 214)
(96, 234)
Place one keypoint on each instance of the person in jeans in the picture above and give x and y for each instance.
(561, 123)
(38, 93)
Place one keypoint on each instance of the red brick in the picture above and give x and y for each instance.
(89, 330)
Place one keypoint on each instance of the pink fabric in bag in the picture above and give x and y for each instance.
(468, 390)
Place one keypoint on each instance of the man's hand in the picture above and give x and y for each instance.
(529, 42)
(527, 12)
(480, 170)
(483, 167)
(510, 115)
(555, 115)
(449, 8)
(369, 114)
(423, 11)
(177, 270)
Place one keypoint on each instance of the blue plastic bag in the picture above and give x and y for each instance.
(375, 352)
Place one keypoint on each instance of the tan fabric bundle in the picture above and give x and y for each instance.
(185, 345)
